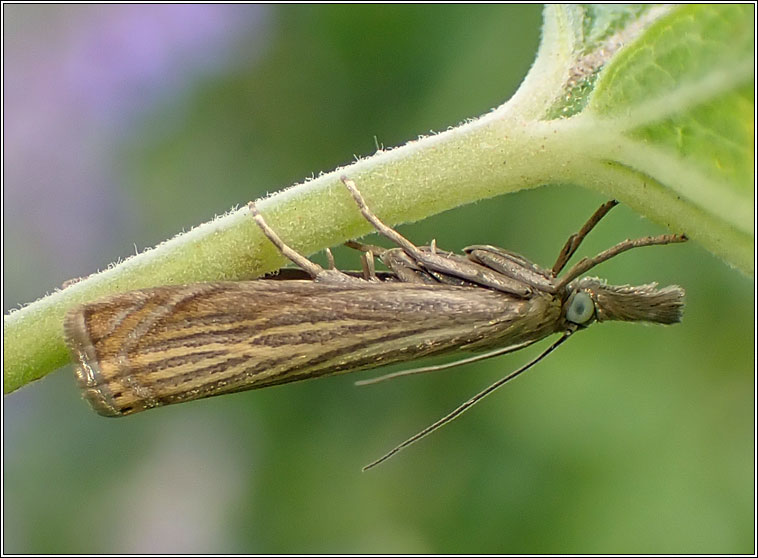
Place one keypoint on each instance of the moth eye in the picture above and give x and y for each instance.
(580, 308)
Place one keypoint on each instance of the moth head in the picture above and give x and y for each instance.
(592, 299)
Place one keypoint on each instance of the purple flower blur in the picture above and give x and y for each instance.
(79, 79)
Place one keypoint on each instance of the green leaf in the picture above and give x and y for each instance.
(657, 110)
(647, 104)
(680, 102)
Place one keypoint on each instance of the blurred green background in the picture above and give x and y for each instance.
(125, 124)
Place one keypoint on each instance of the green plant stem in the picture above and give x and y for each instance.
(510, 149)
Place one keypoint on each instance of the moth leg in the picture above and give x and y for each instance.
(438, 367)
(330, 259)
(369, 268)
(368, 253)
(380, 227)
(585, 264)
(378, 251)
(313, 269)
(432, 262)
(406, 268)
(575, 239)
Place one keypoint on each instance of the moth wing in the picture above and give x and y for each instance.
(151, 347)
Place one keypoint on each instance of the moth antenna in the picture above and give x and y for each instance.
(471, 402)
(437, 367)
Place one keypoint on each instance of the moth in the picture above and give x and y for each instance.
(146, 348)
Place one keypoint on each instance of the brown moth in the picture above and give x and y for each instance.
(142, 349)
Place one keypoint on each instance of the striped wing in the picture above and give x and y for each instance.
(152, 347)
